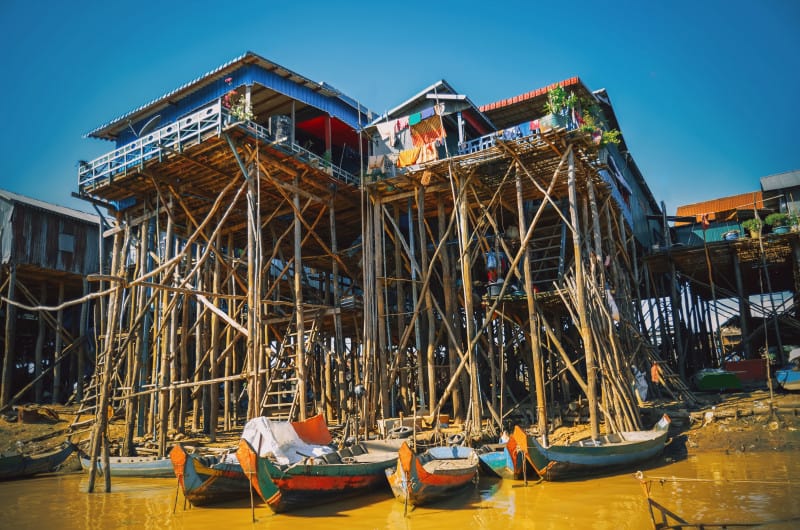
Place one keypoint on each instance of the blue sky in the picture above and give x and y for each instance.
(705, 91)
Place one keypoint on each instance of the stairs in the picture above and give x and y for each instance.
(280, 400)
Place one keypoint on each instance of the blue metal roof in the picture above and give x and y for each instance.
(247, 68)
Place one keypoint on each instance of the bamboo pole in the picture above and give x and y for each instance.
(533, 322)
(300, 349)
(10, 338)
(577, 245)
(40, 338)
(99, 431)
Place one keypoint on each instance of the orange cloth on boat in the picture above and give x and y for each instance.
(427, 131)
(408, 157)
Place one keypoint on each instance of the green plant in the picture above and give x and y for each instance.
(241, 109)
(593, 125)
(558, 99)
(752, 225)
(777, 219)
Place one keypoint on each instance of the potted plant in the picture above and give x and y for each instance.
(779, 221)
(558, 107)
(593, 124)
(753, 226)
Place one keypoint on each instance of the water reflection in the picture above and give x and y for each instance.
(736, 488)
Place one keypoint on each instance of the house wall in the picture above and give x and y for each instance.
(633, 200)
(31, 236)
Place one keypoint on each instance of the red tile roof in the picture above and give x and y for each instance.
(528, 95)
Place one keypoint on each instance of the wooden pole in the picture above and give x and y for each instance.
(533, 321)
(10, 337)
(59, 343)
(588, 344)
(300, 348)
(40, 337)
(99, 432)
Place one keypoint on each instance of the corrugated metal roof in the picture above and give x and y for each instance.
(49, 207)
(743, 201)
(213, 76)
(779, 181)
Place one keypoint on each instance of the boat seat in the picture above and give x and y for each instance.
(332, 458)
(345, 452)
(358, 449)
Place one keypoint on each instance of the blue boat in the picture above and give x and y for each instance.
(496, 461)
(788, 378)
(18, 465)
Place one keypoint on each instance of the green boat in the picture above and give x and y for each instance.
(716, 380)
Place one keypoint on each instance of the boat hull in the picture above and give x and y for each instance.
(17, 465)
(208, 480)
(436, 473)
(133, 466)
(496, 461)
(307, 484)
(291, 465)
(788, 379)
(586, 458)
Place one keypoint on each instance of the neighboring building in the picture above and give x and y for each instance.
(46, 253)
(786, 186)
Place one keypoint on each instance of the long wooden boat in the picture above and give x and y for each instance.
(18, 464)
(586, 457)
(439, 471)
(133, 466)
(209, 479)
(292, 465)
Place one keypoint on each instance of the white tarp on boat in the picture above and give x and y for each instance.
(279, 439)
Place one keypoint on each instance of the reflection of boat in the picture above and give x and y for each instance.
(716, 380)
(418, 479)
(584, 457)
(292, 465)
(132, 466)
(788, 378)
(17, 464)
(209, 479)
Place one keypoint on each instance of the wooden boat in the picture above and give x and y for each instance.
(18, 464)
(495, 460)
(716, 380)
(209, 479)
(788, 378)
(419, 479)
(292, 465)
(133, 466)
(585, 457)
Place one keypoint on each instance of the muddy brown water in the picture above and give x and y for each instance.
(709, 487)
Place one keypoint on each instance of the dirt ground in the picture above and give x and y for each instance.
(732, 422)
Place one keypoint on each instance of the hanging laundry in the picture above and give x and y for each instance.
(428, 153)
(408, 157)
(376, 162)
(427, 131)
(400, 124)
(414, 119)
(427, 113)
(387, 132)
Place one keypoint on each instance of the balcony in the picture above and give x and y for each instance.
(208, 122)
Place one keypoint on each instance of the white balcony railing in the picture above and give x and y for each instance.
(190, 130)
